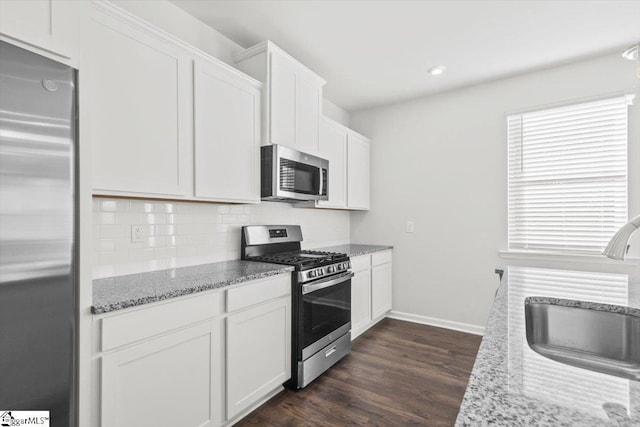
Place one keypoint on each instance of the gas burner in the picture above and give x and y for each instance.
(302, 260)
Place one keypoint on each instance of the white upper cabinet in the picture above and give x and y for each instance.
(308, 112)
(358, 170)
(227, 134)
(164, 119)
(282, 102)
(333, 147)
(292, 96)
(49, 27)
(137, 95)
(349, 170)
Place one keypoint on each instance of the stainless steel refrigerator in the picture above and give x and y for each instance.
(37, 234)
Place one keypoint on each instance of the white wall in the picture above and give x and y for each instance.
(172, 19)
(334, 112)
(441, 161)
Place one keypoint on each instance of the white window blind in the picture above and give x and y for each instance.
(568, 176)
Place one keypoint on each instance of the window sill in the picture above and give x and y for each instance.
(559, 257)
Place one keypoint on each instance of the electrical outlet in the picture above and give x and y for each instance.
(136, 234)
(410, 227)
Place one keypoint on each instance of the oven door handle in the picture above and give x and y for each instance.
(312, 287)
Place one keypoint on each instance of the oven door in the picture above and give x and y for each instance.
(325, 312)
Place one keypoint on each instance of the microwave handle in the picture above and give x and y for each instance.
(322, 172)
(311, 287)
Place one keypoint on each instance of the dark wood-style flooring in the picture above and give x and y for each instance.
(398, 373)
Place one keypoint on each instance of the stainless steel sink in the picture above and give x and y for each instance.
(586, 335)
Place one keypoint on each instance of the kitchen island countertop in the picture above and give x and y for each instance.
(512, 385)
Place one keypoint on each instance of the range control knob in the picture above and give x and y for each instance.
(320, 272)
(331, 269)
(312, 274)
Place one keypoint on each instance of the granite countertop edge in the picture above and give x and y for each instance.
(197, 282)
(355, 249)
(588, 305)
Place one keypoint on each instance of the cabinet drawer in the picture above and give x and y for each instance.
(121, 329)
(257, 292)
(360, 263)
(380, 257)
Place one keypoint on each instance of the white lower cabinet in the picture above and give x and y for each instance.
(169, 380)
(360, 301)
(190, 362)
(380, 289)
(258, 353)
(371, 290)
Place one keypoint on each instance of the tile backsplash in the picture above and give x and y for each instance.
(178, 234)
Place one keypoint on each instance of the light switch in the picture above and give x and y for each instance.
(410, 227)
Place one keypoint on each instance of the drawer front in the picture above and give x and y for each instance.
(378, 258)
(360, 263)
(121, 329)
(258, 291)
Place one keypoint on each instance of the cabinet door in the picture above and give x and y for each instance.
(258, 353)
(51, 25)
(357, 172)
(282, 93)
(333, 147)
(360, 302)
(308, 107)
(380, 290)
(137, 85)
(227, 135)
(168, 381)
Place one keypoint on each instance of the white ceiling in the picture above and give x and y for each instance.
(377, 52)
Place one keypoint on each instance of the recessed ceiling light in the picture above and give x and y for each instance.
(631, 53)
(436, 71)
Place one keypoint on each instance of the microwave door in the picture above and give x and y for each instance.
(299, 179)
(288, 174)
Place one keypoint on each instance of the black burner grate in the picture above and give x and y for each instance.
(300, 258)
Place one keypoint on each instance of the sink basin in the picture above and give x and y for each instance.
(599, 337)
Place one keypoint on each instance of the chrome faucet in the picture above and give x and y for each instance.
(617, 247)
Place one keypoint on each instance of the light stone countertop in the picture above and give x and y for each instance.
(116, 293)
(355, 249)
(511, 385)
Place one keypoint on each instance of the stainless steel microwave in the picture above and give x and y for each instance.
(288, 174)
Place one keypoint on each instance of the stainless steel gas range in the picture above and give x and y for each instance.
(321, 306)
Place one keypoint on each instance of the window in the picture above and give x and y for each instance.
(568, 176)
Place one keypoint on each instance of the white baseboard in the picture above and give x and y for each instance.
(253, 407)
(441, 323)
